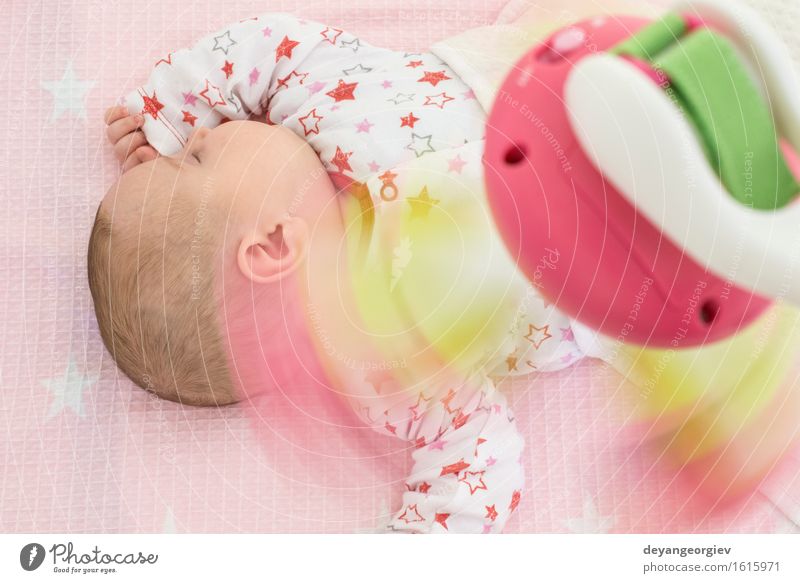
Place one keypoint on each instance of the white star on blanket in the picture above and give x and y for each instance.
(68, 389)
(69, 94)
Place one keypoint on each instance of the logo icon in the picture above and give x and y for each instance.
(31, 556)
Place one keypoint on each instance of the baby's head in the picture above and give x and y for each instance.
(175, 238)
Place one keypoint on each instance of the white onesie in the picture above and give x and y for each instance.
(366, 111)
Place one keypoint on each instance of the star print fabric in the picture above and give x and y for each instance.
(368, 112)
(468, 477)
(362, 108)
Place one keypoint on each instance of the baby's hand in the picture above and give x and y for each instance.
(129, 142)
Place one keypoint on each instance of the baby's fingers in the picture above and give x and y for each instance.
(128, 144)
(114, 113)
(142, 154)
(146, 153)
(123, 126)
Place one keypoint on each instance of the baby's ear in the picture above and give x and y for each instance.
(268, 256)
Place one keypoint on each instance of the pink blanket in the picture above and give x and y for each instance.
(83, 450)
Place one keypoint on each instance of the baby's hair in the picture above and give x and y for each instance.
(155, 302)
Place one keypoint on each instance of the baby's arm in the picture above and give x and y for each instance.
(469, 479)
(230, 74)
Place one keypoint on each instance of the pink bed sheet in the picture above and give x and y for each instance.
(84, 451)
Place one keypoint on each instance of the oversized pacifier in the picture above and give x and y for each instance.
(646, 154)
(658, 161)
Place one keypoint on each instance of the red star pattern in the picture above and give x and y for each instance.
(441, 518)
(514, 500)
(491, 513)
(218, 99)
(315, 119)
(455, 468)
(285, 48)
(408, 120)
(410, 514)
(433, 77)
(340, 160)
(474, 480)
(537, 336)
(447, 400)
(343, 91)
(189, 118)
(459, 420)
(414, 64)
(477, 445)
(438, 100)
(293, 75)
(390, 428)
(227, 68)
(424, 488)
(167, 61)
(420, 442)
(152, 105)
(415, 409)
(331, 34)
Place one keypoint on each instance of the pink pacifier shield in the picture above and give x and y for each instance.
(574, 236)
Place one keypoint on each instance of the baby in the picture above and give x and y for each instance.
(279, 221)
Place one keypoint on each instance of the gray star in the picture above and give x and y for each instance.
(402, 98)
(235, 101)
(351, 44)
(69, 94)
(223, 46)
(357, 69)
(418, 146)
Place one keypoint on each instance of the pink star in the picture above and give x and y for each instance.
(469, 94)
(363, 127)
(456, 164)
(566, 334)
(566, 358)
(438, 444)
(490, 461)
(487, 529)
(254, 75)
(267, 31)
(386, 84)
(189, 98)
(374, 166)
(316, 87)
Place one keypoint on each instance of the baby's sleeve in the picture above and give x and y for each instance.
(228, 75)
(469, 478)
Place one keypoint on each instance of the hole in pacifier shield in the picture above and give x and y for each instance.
(515, 154)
